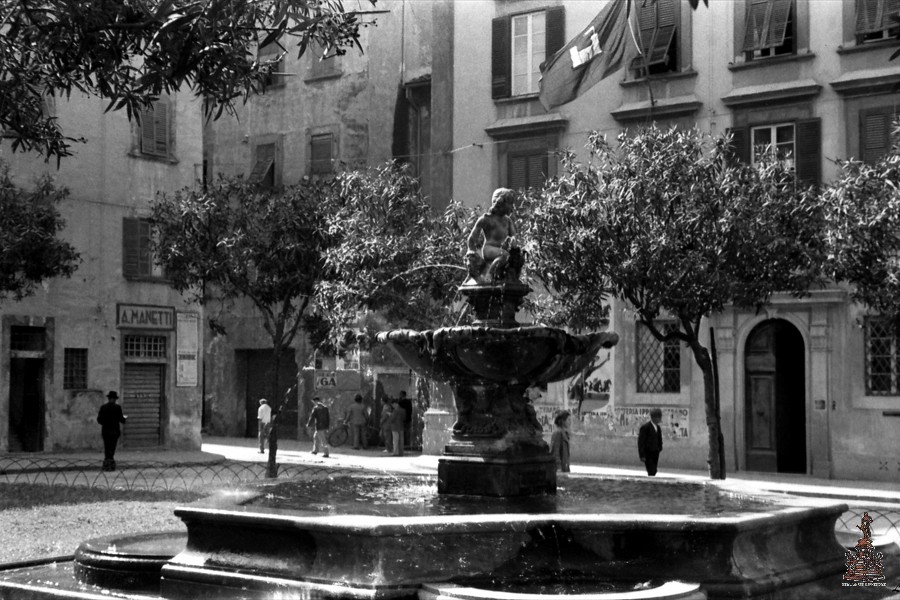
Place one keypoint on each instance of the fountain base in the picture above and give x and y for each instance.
(496, 476)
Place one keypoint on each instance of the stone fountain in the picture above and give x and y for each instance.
(499, 526)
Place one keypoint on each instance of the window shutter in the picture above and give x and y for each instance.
(148, 136)
(161, 128)
(647, 23)
(891, 9)
(868, 15)
(740, 144)
(518, 172)
(145, 261)
(320, 152)
(756, 26)
(778, 22)
(537, 170)
(556, 30)
(501, 84)
(131, 247)
(874, 133)
(808, 149)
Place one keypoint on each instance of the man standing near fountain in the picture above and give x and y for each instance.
(498, 232)
(321, 419)
(650, 441)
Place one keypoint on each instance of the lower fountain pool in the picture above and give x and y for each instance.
(396, 537)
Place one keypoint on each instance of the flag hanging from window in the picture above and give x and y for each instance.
(595, 53)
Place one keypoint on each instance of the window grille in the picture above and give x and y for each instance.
(75, 368)
(27, 339)
(144, 346)
(659, 363)
(882, 358)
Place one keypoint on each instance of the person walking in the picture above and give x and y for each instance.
(397, 423)
(320, 418)
(650, 441)
(406, 404)
(385, 424)
(559, 441)
(358, 418)
(109, 417)
(263, 423)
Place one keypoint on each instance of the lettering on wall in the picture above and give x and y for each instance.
(140, 316)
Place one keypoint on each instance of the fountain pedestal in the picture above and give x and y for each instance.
(472, 468)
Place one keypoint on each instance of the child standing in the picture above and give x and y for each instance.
(559, 441)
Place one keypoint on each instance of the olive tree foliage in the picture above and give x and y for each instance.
(236, 241)
(393, 253)
(667, 223)
(30, 252)
(130, 52)
(863, 234)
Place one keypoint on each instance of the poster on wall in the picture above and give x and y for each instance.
(187, 350)
(590, 391)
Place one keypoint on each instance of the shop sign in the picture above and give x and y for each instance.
(142, 316)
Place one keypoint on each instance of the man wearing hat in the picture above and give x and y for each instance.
(263, 423)
(109, 417)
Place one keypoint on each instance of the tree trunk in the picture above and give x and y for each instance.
(716, 455)
(277, 401)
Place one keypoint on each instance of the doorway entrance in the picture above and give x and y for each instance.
(775, 398)
(26, 405)
(257, 364)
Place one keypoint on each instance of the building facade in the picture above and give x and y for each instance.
(115, 324)
(807, 386)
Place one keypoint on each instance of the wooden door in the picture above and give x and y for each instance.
(760, 400)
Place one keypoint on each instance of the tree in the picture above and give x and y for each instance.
(241, 242)
(668, 225)
(863, 206)
(131, 52)
(30, 252)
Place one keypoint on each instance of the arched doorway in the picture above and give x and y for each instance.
(775, 398)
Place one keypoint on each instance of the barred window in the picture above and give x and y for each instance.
(144, 346)
(882, 356)
(75, 368)
(658, 363)
(27, 339)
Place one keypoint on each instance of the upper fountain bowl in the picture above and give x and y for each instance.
(500, 355)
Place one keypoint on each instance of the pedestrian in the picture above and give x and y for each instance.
(650, 441)
(406, 404)
(357, 419)
(385, 424)
(320, 418)
(398, 424)
(263, 423)
(559, 441)
(109, 417)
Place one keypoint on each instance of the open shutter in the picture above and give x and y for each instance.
(556, 30)
(647, 24)
(808, 150)
(874, 133)
(740, 144)
(161, 128)
(868, 15)
(778, 22)
(501, 82)
(131, 247)
(756, 26)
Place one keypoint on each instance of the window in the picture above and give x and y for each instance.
(658, 363)
(773, 139)
(137, 261)
(144, 346)
(527, 169)
(769, 30)
(882, 356)
(27, 339)
(75, 368)
(321, 148)
(873, 20)
(875, 133)
(270, 52)
(798, 141)
(263, 173)
(519, 44)
(154, 126)
(323, 64)
(658, 22)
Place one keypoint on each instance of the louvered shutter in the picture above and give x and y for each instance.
(518, 172)
(666, 19)
(537, 170)
(756, 26)
(868, 15)
(321, 153)
(264, 170)
(647, 23)
(875, 133)
(148, 131)
(740, 144)
(527, 170)
(501, 82)
(556, 30)
(142, 399)
(778, 22)
(131, 247)
(808, 150)
(155, 130)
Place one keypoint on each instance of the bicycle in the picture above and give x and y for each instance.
(341, 433)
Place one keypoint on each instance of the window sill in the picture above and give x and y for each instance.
(324, 77)
(663, 77)
(515, 99)
(877, 402)
(760, 63)
(869, 47)
(146, 279)
(153, 158)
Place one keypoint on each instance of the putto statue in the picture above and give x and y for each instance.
(499, 258)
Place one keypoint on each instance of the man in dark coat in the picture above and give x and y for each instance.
(406, 404)
(650, 441)
(109, 417)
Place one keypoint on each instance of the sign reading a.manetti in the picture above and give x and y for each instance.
(142, 316)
